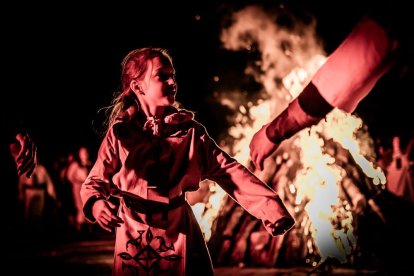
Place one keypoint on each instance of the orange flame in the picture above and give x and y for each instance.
(292, 55)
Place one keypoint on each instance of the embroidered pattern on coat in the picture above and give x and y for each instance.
(147, 254)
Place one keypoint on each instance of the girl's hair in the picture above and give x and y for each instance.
(133, 67)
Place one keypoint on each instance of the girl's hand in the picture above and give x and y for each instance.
(105, 214)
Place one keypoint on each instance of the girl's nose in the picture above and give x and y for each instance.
(171, 81)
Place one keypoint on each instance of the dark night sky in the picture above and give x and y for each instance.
(63, 62)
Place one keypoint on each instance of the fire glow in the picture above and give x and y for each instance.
(289, 58)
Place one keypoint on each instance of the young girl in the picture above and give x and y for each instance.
(152, 154)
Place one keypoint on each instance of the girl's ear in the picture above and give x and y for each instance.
(136, 87)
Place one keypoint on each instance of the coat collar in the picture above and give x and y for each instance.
(172, 116)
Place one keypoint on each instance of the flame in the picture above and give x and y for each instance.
(289, 58)
(342, 127)
(206, 212)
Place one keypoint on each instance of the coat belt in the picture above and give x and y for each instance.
(149, 207)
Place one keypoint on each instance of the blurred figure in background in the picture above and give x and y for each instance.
(34, 193)
(399, 171)
(18, 156)
(76, 174)
(64, 191)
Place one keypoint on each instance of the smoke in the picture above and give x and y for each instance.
(284, 44)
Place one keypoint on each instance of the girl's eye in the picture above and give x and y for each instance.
(166, 76)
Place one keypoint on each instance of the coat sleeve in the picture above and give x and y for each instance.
(244, 187)
(353, 69)
(347, 76)
(98, 183)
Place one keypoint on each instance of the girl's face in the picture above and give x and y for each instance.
(159, 86)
